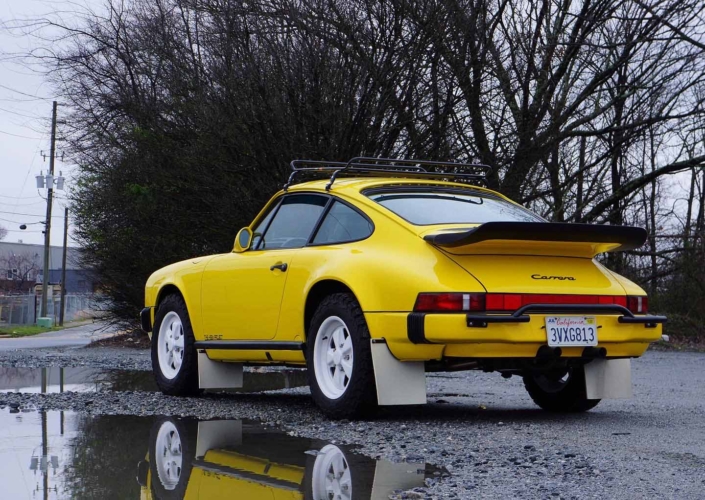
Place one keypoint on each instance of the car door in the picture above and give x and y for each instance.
(341, 226)
(242, 292)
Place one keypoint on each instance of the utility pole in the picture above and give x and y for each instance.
(47, 226)
(63, 267)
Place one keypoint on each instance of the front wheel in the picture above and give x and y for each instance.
(561, 391)
(172, 447)
(339, 359)
(174, 357)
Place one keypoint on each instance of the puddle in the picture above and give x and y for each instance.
(51, 380)
(61, 455)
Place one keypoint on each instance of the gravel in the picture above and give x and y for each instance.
(483, 429)
(91, 357)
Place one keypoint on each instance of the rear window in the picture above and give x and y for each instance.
(451, 207)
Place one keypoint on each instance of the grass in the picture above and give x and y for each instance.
(25, 331)
(29, 330)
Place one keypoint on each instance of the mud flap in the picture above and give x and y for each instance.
(398, 383)
(608, 379)
(401, 476)
(218, 375)
(214, 434)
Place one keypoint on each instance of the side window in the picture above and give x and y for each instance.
(262, 227)
(342, 224)
(293, 223)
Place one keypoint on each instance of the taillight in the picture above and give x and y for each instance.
(510, 302)
(513, 301)
(446, 302)
(638, 304)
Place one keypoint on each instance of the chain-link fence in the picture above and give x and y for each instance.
(24, 309)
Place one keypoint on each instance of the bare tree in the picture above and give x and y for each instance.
(19, 271)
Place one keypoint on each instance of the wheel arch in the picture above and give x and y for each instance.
(319, 291)
(166, 290)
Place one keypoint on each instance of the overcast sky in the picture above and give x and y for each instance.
(25, 117)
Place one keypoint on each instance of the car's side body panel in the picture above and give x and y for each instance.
(241, 286)
(185, 276)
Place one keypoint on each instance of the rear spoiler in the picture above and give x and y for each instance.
(626, 237)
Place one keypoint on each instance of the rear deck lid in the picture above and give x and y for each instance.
(537, 257)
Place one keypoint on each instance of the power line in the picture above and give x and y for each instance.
(15, 204)
(21, 136)
(29, 170)
(29, 215)
(23, 93)
(19, 114)
(17, 197)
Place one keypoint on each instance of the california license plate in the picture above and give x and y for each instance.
(571, 331)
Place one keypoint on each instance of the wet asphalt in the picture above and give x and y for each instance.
(77, 336)
(481, 428)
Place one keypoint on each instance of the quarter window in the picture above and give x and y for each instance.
(342, 224)
(293, 222)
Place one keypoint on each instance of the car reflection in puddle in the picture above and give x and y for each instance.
(219, 458)
(75, 455)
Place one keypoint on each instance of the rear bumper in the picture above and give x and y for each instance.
(420, 336)
(521, 315)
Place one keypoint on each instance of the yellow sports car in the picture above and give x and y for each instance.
(386, 269)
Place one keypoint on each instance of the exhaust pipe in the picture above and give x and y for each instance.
(594, 353)
(548, 353)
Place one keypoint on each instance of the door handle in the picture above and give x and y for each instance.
(281, 266)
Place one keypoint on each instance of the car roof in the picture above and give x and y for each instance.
(352, 186)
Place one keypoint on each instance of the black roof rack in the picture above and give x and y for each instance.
(388, 167)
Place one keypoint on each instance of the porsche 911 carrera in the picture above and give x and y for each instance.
(373, 272)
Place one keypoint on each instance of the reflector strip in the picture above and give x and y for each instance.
(510, 302)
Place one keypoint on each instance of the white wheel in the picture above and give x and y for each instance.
(333, 357)
(169, 455)
(170, 345)
(331, 475)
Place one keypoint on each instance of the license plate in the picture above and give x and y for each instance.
(571, 331)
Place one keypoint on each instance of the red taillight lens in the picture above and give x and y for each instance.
(638, 304)
(444, 302)
(510, 302)
(513, 301)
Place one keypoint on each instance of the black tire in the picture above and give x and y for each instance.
(360, 396)
(552, 392)
(185, 383)
(187, 437)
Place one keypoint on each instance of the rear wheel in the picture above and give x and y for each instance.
(174, 358)
(336, 474)
(339, 359)
(559, 390)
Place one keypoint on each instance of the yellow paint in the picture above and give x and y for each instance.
(237, 297)
(226, 474)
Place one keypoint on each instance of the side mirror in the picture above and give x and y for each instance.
(243, 240)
